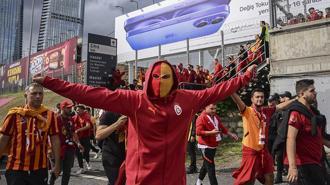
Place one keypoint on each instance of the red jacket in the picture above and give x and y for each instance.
(204, 124)
(157, 128)
(183, 75)
(81, 121)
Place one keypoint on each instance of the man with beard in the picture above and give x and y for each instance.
(304, 141)
(256, 159)
(25, 133)
(158, 119)
(68, 140)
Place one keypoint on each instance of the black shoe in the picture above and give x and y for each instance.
(278, 179)
(191, 170)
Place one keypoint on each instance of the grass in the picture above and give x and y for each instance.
(50, 100)
(229, 151)
(228, 154)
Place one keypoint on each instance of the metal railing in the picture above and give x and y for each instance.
(215, 81)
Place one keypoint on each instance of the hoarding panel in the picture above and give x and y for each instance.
(242, 24)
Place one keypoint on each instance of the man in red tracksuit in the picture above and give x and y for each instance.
(210, 129)
(159, 118)
(82, 124)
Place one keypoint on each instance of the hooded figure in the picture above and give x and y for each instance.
(159, 118)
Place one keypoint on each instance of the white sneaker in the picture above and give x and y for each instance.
(96, 155)
(199, 182)
(88, 166)
(80, 171)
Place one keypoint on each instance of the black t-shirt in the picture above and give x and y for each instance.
(114, 145)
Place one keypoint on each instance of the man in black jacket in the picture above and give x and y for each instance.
(112, 130)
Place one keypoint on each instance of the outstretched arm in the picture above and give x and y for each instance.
(284, 105)
(240, 104)
(222, 90)
(120, 101)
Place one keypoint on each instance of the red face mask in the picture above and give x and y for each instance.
(161, 80)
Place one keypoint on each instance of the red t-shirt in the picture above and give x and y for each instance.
(81, 121)
(66, 127)
(308, 147)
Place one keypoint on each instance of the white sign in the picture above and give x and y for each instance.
(102, 49)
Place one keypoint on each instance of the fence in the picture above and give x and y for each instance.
(289, 12)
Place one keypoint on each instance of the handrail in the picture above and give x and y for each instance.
(218, 80)
(260, 66)
(182, 84)
(237, 58)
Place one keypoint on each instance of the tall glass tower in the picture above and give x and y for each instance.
(60, 20)
(11, 30)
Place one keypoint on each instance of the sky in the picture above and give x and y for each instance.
(99, 18)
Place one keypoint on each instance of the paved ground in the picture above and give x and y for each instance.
(97, 177)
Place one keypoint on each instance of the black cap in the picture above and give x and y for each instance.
(286, 94)
(274, 97)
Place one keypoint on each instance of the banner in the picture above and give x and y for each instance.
(13, 74)
(57, 59)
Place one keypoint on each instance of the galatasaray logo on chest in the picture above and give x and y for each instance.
(177, 110)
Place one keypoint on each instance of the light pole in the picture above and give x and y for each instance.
(137, 3)
(122, 9)
(31, 27)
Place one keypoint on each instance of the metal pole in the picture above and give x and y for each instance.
(28, 64)
(305, 7)
(136, 59)
(159, 52)
(130, 72)
(271, 14)
(188, 57)
(222, 48)
(200, 58)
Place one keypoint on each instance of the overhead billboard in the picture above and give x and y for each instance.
(199, 20)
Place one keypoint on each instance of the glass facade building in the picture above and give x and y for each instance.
(60, 20)
(11, 30)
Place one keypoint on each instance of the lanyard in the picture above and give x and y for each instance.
(261, 117)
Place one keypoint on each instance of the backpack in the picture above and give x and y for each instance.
(282, 131)
(274, 123)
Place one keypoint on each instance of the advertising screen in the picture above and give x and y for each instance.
(169, 23)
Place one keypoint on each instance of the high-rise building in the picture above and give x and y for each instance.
(11, 30)
(60, 20)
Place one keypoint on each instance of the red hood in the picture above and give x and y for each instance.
(148, 78)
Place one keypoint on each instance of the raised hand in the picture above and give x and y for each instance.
(38, 78)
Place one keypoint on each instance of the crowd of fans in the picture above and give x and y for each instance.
(313, 14)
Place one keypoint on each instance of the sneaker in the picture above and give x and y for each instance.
(97, 154)
(88, 166)
(80, 171)
(199, 182)
(191, 170)
(278, 179)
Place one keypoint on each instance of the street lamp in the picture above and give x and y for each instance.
(122, 9)
(137, 3)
